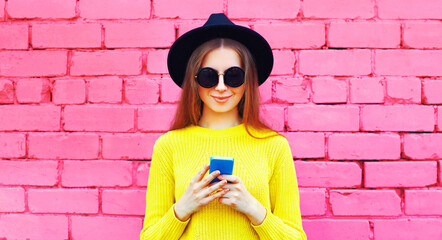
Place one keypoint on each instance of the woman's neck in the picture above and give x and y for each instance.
(216, 120)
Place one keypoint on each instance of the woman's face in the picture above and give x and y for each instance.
(221, 98)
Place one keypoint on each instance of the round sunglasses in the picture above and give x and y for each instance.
(208, 77)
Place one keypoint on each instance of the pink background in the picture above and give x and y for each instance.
(84, 94)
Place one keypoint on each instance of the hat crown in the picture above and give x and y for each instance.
(217, 19)
(218, 26)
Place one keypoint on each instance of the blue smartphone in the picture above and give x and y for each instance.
(223, 164)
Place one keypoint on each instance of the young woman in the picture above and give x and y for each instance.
(219, 67)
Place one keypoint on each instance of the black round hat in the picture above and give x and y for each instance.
(219, 26)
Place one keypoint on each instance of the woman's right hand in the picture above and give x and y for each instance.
(198, 194)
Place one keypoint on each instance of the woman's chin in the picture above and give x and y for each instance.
(221, 109)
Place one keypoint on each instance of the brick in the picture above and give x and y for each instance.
(404, 90)
(96, 118)
(264, 9)
(312, 202)
(440, 172)
(329, 90)
(61, 145)
(62, 35)
(97, 173)
(273, 116)
(106, 62)
(112, 228)
(33, 173)
(397, 118)
(6, 91)
(139, 34)
(102, 9)
(186, 9)
(365, 203)
(2, 8)
(409, 9)
(407, 228)
(408, 62)
(423, 202)
(33, 63)
(439, 119)
(423, 35)
(69, 91)
(129, 146)
(366, 90)
(170, 92)
(291, 89)
(12, 145)
(33, 90)
(63, 200)
(141, 91)
(306, 145)
(322, 118)
(143, 174)
(35, 227)
(155, 118)
(29, 9)
(265, 91)
(364, 34)
(332, 229)
(157, 61)
(423, 146)
(431, 91)
(29, 118)
(328, 174)
(284, 62)
(364, 146)
(400, 174)
(105, 90)
(13, 36)
(335, 62)
(288, 81)
(124, 202)
(296, 35)
(361, 9)
(12, 200)
(184, 27)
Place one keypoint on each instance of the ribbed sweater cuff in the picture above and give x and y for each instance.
(174, 225)
(267, 229)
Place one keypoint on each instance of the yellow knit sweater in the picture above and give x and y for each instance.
(265, 166)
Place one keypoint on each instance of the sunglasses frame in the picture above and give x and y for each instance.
(233, 67)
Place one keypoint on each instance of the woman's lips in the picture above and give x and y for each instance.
(221, 99)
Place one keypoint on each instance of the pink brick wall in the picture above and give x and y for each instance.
(84, 94)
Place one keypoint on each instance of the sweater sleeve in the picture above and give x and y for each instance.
(160, 221)
(283, 220)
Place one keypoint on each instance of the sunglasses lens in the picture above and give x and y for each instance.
(234, 77)
(207, 77)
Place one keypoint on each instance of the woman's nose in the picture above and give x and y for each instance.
(221, 86)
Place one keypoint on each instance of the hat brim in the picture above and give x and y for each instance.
(184, 46)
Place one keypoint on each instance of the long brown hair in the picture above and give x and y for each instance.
(190, 105)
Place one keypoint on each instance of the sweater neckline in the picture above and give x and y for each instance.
(223, 132)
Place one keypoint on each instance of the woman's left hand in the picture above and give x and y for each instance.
(240, 199)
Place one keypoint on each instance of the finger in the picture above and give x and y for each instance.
(216, 195)
(228, 194)
(230, 178)
(224, 199)
(215, 186)
(234, 188)
(230, 186)
(201, 173)
(209, 178)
